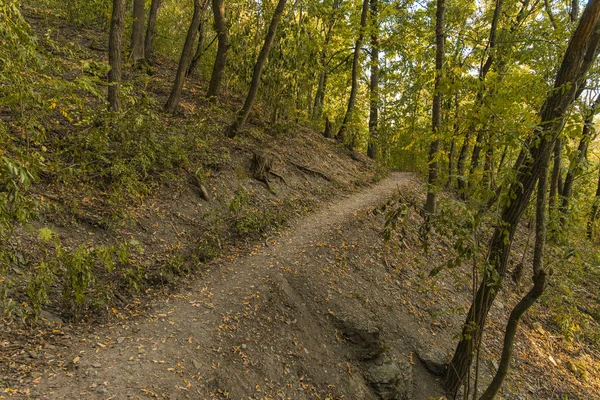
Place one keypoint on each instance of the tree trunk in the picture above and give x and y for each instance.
(150, 29)
(186, 57)
(322, 84)
(115, 45)
(320, 95)
(436, 112)
(594, 211)
(137, 33)
(341, 135)
(539, 284)
(455, 132)
(327, 132)
(574, 10)
(575, 167)
(373, 146)
(451, 163)
(242, 115)
(488, 170)
(476, 152)
(540, 146)
(461, 165)
(555, 180)
(216, 79)
(200, 46)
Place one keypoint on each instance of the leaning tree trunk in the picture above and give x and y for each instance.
(373, 146)
(216, 79)
(594, 211)
(200, 45)
(539, 284)
(150, 30)
(436, 113)
(529, 169)
(341, 135)
(186, 57)
(137, 33)
(115, 45)
(575, 167)
(242, 115)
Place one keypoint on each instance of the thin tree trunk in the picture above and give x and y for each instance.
(594, 211)
(322, 84)
(320, 95)
(574, 10)
(216, 79)
(200, 46)
(540, 146)
(341, 135)
(186, 58)
(575, 167)
(436, 112)
(137, 33)
(539, 284)
(461, 165)
(476, 152)
(550, 14)
(242, 115)
(555, 180)
(150, 29)
(456, 130)
(115, 51)
(451, 163)
(488, 177)
(373, 146)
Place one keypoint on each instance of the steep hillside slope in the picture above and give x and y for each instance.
(122, 207)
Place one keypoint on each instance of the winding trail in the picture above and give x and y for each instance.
(242, 330)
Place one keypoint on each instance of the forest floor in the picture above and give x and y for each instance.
(303, 315)
(269, 323)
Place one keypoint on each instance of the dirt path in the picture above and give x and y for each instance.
(251, 328)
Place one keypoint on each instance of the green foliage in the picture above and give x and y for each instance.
(89, 13)
(209, 245)
(75, 271)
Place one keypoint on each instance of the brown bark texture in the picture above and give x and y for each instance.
(115, 54)
(373, 145)
(555, 179)
(200, 45)
(150, 29)
(216, 79)
(436, 112)
(137, 32)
